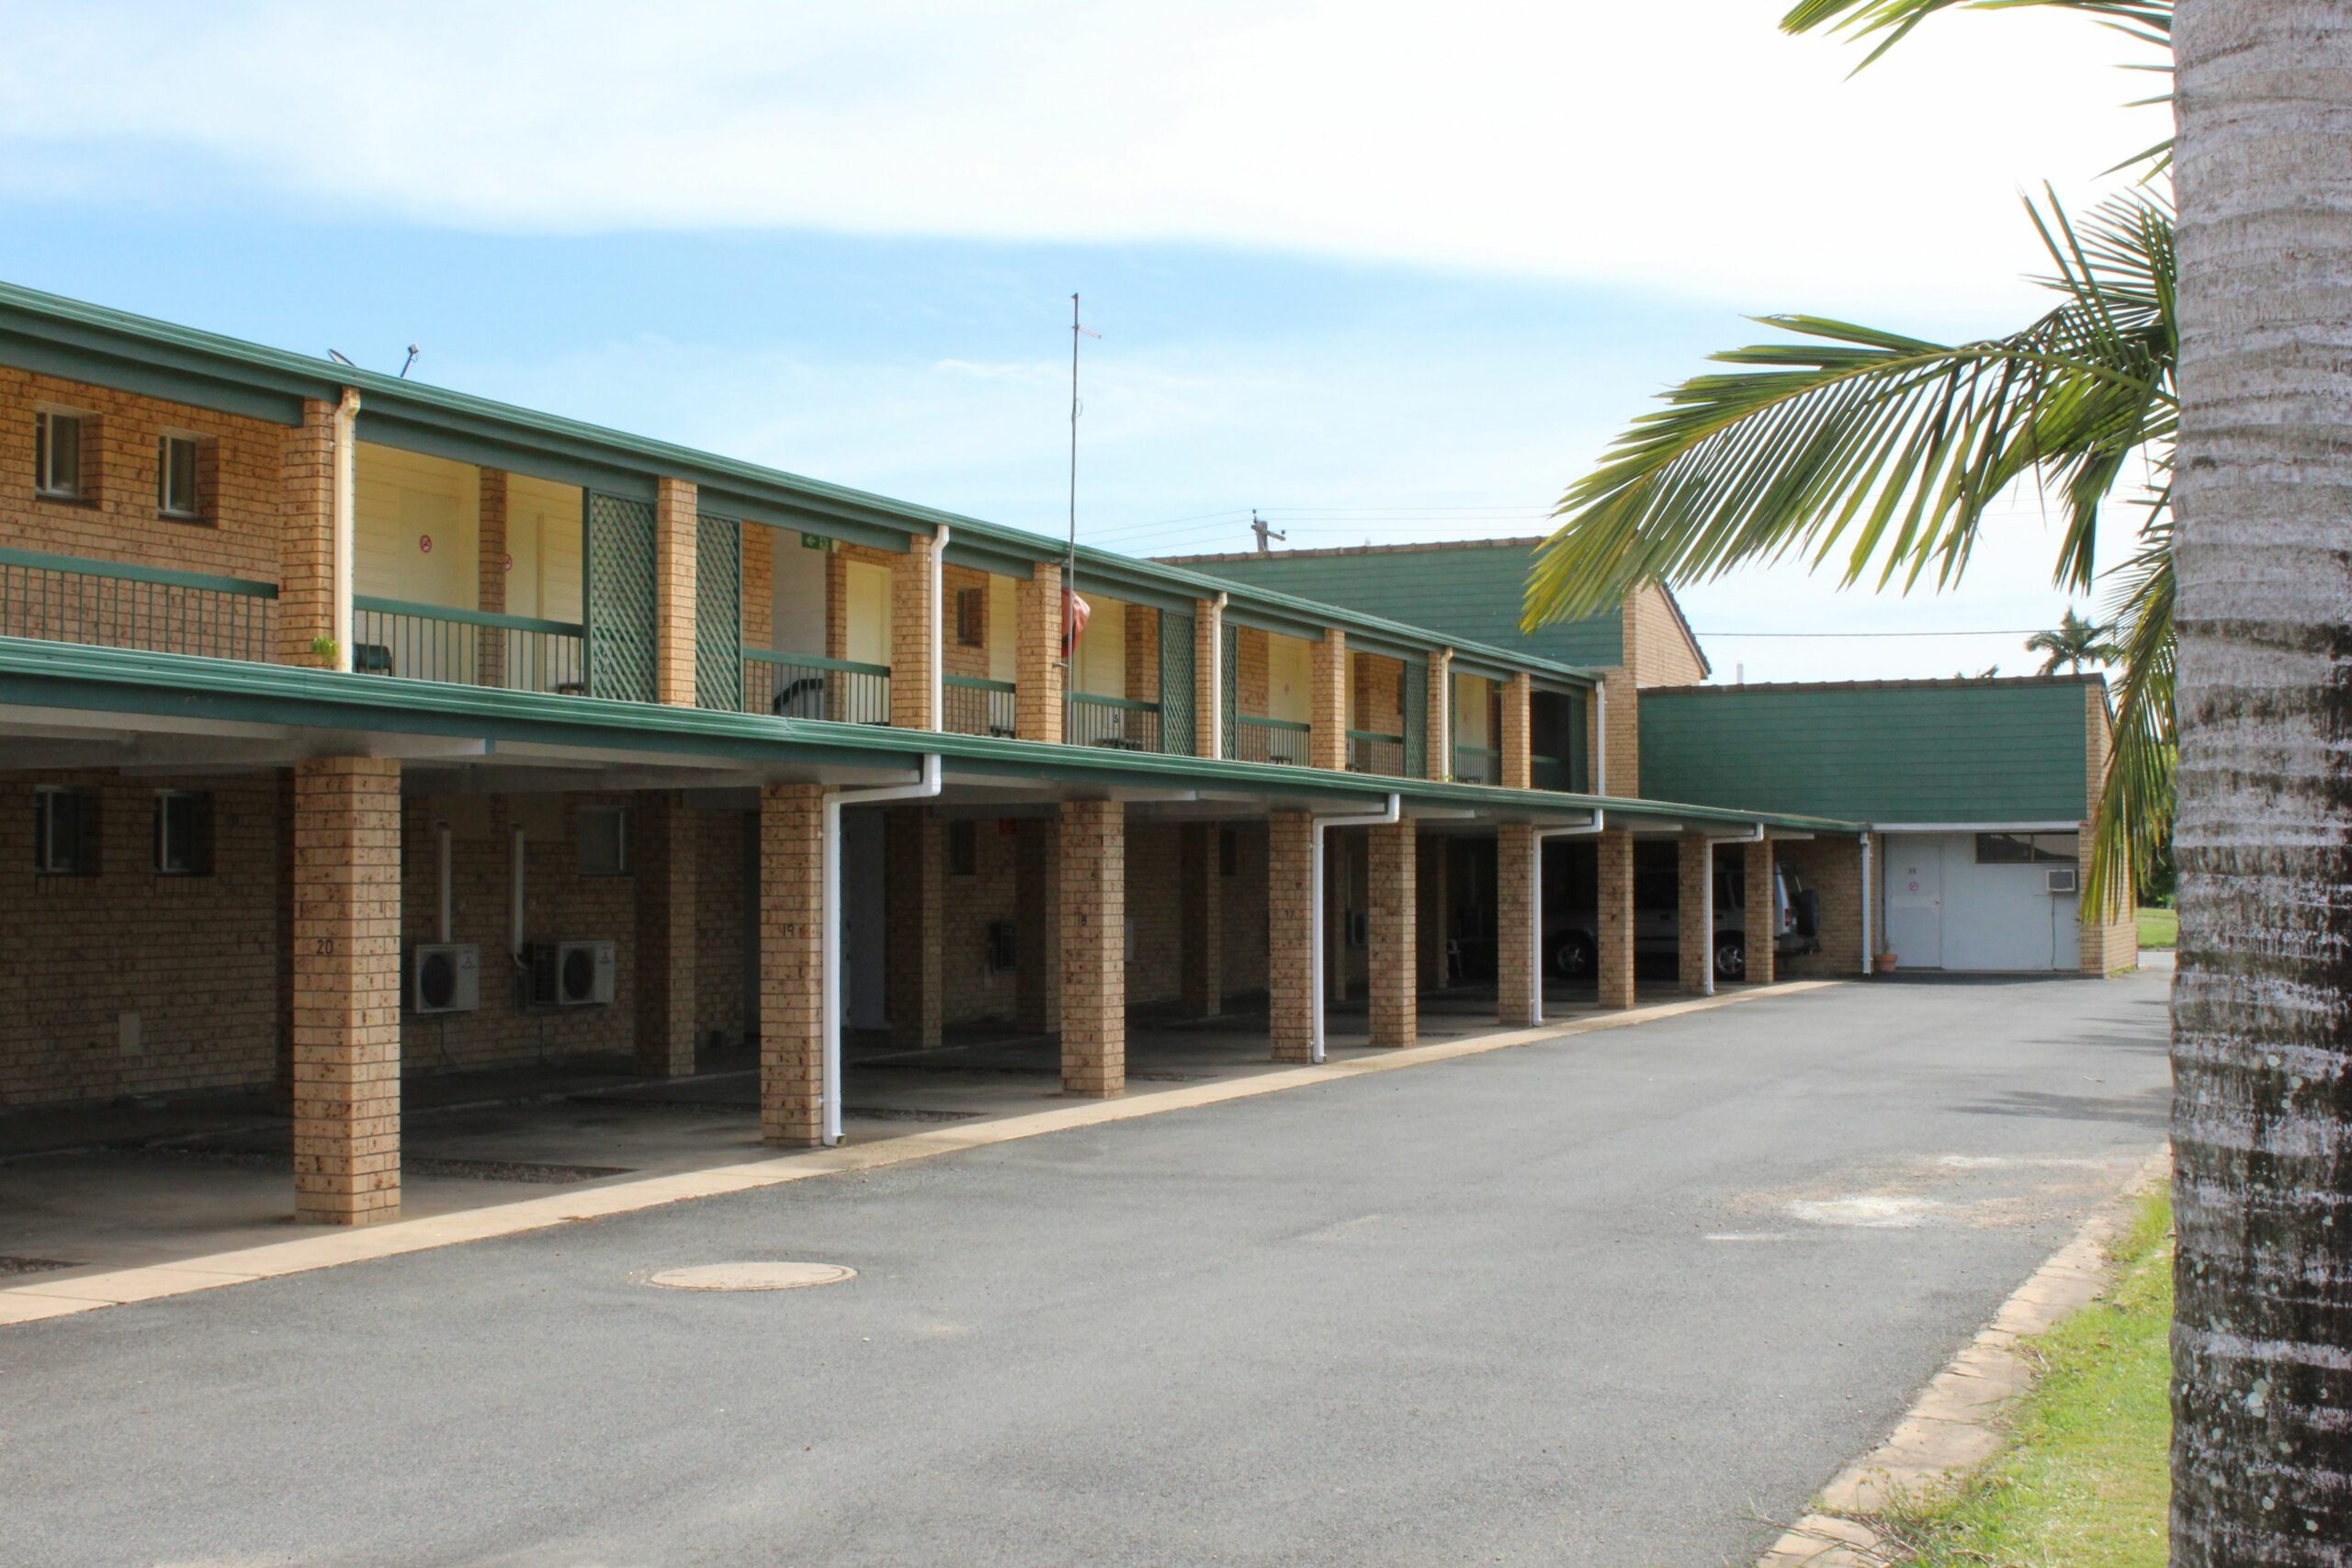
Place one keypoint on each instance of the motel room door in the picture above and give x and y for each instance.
(1915, 899)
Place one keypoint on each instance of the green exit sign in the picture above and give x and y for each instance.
(814, 542)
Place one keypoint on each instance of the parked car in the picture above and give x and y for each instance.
(1571, 936)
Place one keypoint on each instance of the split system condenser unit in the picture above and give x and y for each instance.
(570, 973)
(443, 976)
(2059, 881)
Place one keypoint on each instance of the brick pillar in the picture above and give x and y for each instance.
(1516, 847)
(1208, 680)
(1200, 923)
(346, 965)
(673, 593)
(1327, 744)
(1290, 938)
(662, 852)
(1615, 872)
(1094, 947)
(1396, 991)
(1431, 923)
(1625, 729)
(1037, 656)
(1037, 944)
(1440, 714)
(915, 636)
(1518, 741)
(1694, 932)
(1755, 860)
(915, 895)
(792, 875)
(489, 578)
(306, 538)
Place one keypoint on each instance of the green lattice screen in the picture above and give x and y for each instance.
(1176, 701)
(1229, 666)
(619, 596)
(1417, 718)
(718, 612)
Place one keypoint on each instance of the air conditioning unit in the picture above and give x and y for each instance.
(444, 977)
(570, 973)
(2059, 881)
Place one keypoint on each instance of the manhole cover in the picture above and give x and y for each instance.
(752, 1276)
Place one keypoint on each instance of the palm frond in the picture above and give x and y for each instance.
(2136, 796)
(1885, 447)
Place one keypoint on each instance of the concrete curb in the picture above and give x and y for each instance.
(1957, 1421)
(328, 1249)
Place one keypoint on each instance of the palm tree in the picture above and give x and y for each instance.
(2262, 1056)
(2075, 643)
(1882, 451)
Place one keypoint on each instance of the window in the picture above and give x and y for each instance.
(2028, 849)
(177, 493)
(963, 849)
(971, 617)
(182, 833)
(57, 456)
(603, 840)
(65, 832)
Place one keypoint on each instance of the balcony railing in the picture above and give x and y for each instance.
(107, 604)
(1121, 724)
(465, 647)
(1478, 764)
(804, 685)
(1369, 751)
(979, 707)
(1256, 739)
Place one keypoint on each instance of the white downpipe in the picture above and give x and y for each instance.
(514, 892)
(441, 861)
(1215, 697)
(1442, 667)
(1707, 892)
(1535, 903)
(829, 984)
(1868, 967)
(939, 629)
(1395, 812)
(346, 519)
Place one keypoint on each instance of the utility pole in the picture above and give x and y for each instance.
(1258, 525)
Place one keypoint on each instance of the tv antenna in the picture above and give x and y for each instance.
(1258, 527)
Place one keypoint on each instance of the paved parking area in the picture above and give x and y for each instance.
(1620, 1298)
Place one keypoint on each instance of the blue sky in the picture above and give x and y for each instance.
(1386, 272)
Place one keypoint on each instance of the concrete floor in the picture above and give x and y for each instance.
(91, 1188)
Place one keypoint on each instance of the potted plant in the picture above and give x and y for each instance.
(1884, 962)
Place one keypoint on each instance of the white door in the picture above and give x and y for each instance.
(1915, 899)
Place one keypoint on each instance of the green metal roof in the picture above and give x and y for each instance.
(73, 339)
(79, 677)
(1470, 589)
(1884, 753)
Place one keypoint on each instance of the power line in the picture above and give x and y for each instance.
(2019, 631)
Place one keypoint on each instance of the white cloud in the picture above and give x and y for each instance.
(1686, 147)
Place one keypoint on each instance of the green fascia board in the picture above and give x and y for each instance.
(75, 676)
(983, 557)
(1891, 753)
(93, 342)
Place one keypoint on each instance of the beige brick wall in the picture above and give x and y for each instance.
(1396, 996)
(1254, 680)
(1093, 878)
(791, 838)
(1432, 918)
(915, 854)
(1290, 942)
(1326, 745)
(1614, 878)
(303, 534)
(1200, 899)
(1155, 856)
(1038, 669)
(666, 851)
(1440, 756)
(1832, 867)
(676, 518)
(1657, 652)
(723, 843)
(1515, 852)
(759, 586)
(914, 634)
(1695, 942)
(1759, 931)
(1517, 733)
(963, 658)
(1143, 653)
(1243, 911)
(971, 904)
(1037, 946)
(1208, 682)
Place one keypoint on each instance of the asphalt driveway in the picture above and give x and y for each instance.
(1627, 1298)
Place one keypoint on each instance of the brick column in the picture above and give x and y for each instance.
(1037, 943)
(1760, 929)
(915, 636)
(1290, 937)
(915, 895)
(1694, 933)
(1200, 923)
(1396, 991)
(1094, 947)
(346, 965)
(1433, 922)
(1208, 680)
(1327, 744)
(1614, 969)
(1517, 738)
(1515, 957)
(1439, 715)
(306, 539)
(1624, 730)
(673, 593)
(1037, 655)
(662, 851)
(490, 576)
(792, 875)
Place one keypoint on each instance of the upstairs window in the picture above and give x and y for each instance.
(971, 617)
(182, 833)
(57, 456)
(65, 832)
(178, 493)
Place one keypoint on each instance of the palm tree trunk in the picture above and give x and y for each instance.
(2262, 1005)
